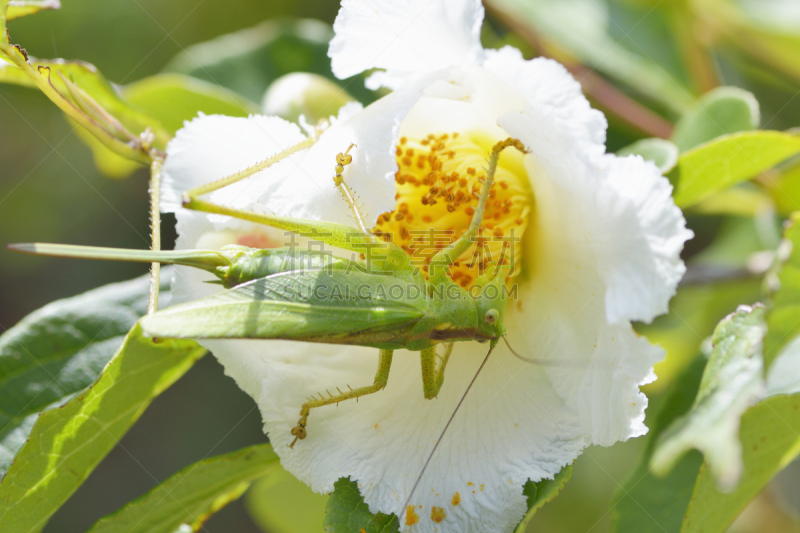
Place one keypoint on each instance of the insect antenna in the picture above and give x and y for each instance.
(441, 435)
(543, 362)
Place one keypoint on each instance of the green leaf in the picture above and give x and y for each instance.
(347, 512)
(728, 160)
(744, 200)
(67, 443)
(586, 29)
(60, 350)
(281, 503)
(174, 98)
(770, 437)
(731, 383)
(192, 495)
(723, 111)
(785, 188)
(82, 92)
(170, 99)
(783, 319)
(649, 504)
(3, 18)
(540, 493)
(663, 153)
(21, 8)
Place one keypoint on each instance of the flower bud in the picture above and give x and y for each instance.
(301, 93)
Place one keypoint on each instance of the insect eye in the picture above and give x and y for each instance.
(491, 316)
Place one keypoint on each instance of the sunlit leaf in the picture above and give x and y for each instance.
(67, 443)
(738, 200)
(3, 18)
(174, 98)
(649, 504)
(192, 495)
(783, 376)
(694, 312)
(347, 512)
(82, 92)
(659, 151)
(728, 160)
(281, 503)
(21, 8)
(60, 350)
(732, 382)
(541, 493)
(785, 188)
(723, 111)
(770, 440)
(171, 99)
(783, 319)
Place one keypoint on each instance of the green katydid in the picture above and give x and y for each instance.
(308, 296)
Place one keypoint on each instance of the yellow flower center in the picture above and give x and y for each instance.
(438, 184)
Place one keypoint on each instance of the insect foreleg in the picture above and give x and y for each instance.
(452, 252)
(433, 373)
(381, 378)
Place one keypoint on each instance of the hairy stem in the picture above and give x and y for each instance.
(155, 224)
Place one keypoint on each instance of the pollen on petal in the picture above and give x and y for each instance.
(456, 499)
(411, 516)
(437, 514)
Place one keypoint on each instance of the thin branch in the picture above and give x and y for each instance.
(601, 91)
(757, 266)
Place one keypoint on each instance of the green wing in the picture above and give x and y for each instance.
(330, 307)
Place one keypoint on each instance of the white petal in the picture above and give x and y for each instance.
(306, 189)
(639, 255)
(550, 88)
(512, 427)
(610, 219)
(407, 38)
(515, 424)
(211, 147)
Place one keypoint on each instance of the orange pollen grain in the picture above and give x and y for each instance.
(437, 514)
(456, 499)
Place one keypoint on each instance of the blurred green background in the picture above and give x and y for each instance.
(51, 191)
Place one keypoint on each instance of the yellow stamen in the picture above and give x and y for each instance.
(436, 194)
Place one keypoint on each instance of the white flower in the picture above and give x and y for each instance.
(600, 247)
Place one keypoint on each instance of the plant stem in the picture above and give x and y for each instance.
(155, 224)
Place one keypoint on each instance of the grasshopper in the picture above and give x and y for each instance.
(315, 297)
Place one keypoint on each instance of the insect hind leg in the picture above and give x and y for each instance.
(381, 378)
